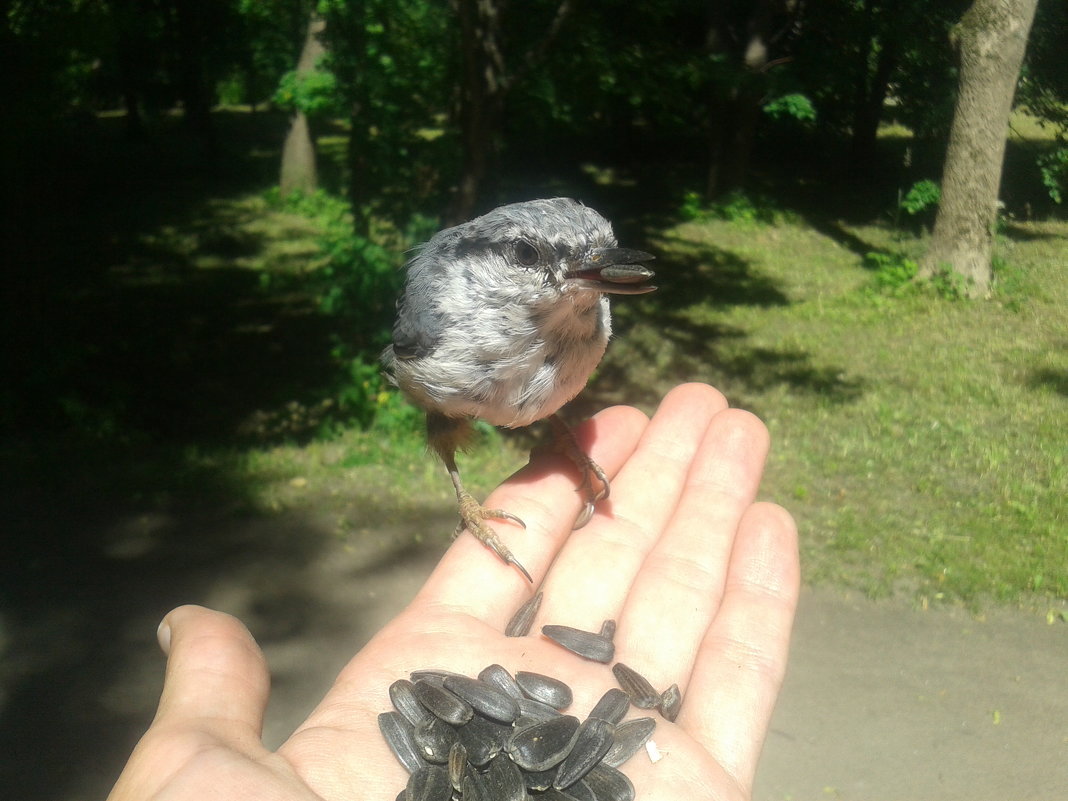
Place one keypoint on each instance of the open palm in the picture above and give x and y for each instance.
(701, 579)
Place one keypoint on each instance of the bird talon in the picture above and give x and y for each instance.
(568, 445)
(472, 517)
(584, 515)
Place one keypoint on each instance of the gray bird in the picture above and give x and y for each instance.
(503, 319)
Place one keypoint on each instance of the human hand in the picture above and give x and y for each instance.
(702, 581)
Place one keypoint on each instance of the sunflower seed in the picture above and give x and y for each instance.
(539, 780)
(642, 694)
(502, 680)
(529, 708)
(429, 783)
(435, 739)
(432, 675)
(584, 643)
(484, 698)
(483, 739)
(626, 273)
(504, 780)
(552, 794)
(400, 737)
(519, 625)
(546, 744)
(442, 703)
(628, 739)
(580, 791)
(402, 694)
(670, 702)
(475, 789)
(608, 629)
(457, 765)
(545, 689)
(608, 784)
(612, 706)
(592, 742)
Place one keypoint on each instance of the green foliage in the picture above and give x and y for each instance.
(948, 284)
(358, 284)
(922, 196)
(892, 273)
(313, 92)
(394, 63)
(794, 106)
(366, 399)
(737, 207)
(895, 275)
(1053, 167)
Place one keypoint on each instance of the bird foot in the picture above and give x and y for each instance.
(589, 469)
(473, 516)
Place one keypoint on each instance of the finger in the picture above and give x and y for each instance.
(471, 580)
(594, 573)
(740, 666)
(681, 583)
(216, 681)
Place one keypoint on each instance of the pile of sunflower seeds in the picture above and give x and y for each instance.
(505, 738)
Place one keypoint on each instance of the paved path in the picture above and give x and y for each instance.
(882, 703)
(886, 702)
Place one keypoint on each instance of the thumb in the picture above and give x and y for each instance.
(217, 681)
(214, 694)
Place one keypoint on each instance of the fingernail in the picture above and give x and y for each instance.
(163, 636)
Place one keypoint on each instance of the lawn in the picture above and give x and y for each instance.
(918, 438)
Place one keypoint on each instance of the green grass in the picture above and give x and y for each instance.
(920, 441)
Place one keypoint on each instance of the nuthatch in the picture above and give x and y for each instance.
(503, 319)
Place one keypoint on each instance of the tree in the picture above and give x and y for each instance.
(990, 39)
(298, 173)
(486, 79)
(745, 39)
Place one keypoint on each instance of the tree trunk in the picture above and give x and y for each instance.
(197, 109)
(485, 83)
(991, 39)
(734, 114)
(869, 100)
(299, 172)
(481, 103)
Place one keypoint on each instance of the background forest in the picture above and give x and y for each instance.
(857, 208)
(209, 204)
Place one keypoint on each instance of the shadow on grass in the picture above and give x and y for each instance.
(136, 339)
(674, 335)
(1056, 380)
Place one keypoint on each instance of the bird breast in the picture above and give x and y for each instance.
(517, 366)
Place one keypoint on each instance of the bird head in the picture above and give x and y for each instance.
(550, 248)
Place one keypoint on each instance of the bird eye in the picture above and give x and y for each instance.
(525, 253)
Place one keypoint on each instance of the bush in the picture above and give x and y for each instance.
(736, 207)
(922, 196)
(359, 285)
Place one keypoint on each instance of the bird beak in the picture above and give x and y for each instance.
(615, 270)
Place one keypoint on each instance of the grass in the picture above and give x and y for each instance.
(919, 440)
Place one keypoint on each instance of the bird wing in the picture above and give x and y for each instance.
(416, 331)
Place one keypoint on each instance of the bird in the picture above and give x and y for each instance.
(503, 318)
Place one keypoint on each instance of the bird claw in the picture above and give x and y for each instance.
(568, 445)
(584, 515)
(472, 518)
